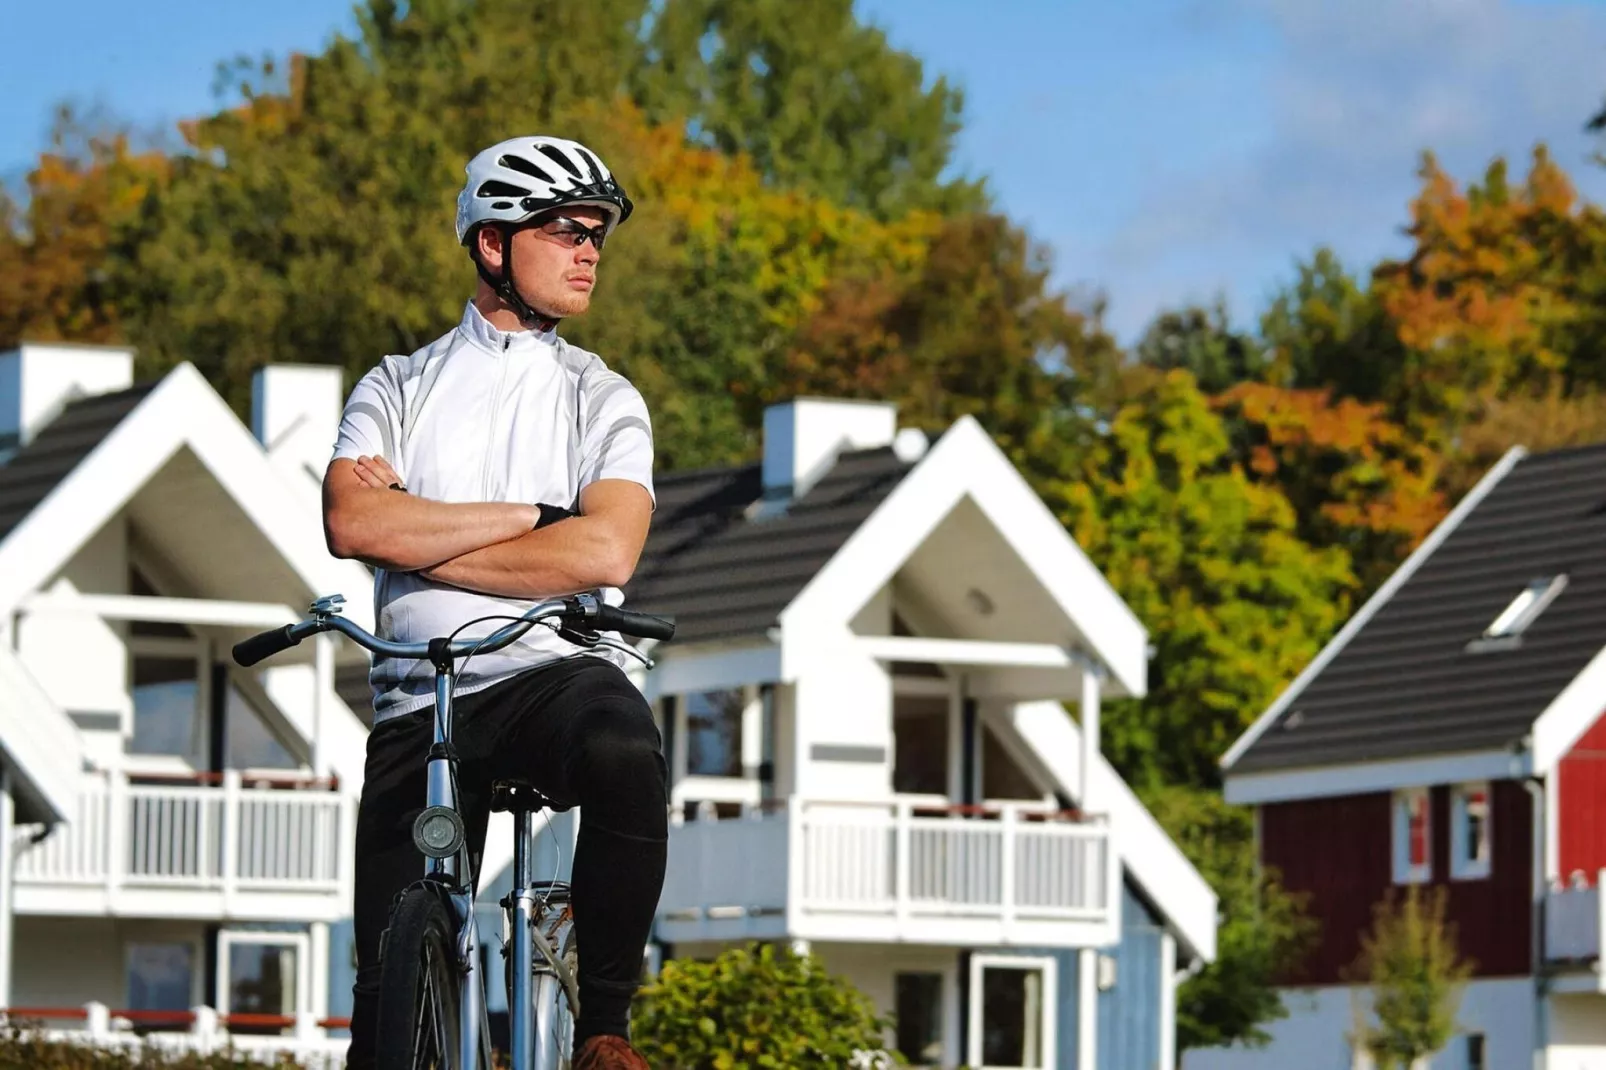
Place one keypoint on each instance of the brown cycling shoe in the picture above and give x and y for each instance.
(608, 1053)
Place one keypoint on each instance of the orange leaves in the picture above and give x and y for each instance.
(1485, 295)
(1354, 476)
(53, 252)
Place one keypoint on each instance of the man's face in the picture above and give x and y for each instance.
(554, 275)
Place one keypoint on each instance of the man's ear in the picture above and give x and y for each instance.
(488, 243)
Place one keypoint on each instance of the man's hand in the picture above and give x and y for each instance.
(365, 519)
(376, 472)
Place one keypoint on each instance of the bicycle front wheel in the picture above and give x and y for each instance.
(418, 1021)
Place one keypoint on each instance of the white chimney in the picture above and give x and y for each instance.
(802, 439)
(295, 414)
(38, 380)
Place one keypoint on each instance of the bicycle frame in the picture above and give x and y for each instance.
(449, 869)
(527, 1023)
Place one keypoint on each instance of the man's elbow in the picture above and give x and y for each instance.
(341, 536)
(618, 566)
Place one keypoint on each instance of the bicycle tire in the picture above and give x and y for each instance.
(419, 994)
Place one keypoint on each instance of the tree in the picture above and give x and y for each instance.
(753, 1007)
(1416, 976)
(1327, 330)
(313, 223)
(1201, 341)
(817, 99)
(1491, 297)
(1212, 563)
(1263, 933)
(53, 248)
(971, 328)
(1355, 479)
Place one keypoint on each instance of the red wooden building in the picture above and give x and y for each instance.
(1453, 734)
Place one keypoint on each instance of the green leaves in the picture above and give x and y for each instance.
(1262, 934)
(1212, 563)
(760, 1007)
(1416, 976)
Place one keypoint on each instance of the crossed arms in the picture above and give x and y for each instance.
(489, 547)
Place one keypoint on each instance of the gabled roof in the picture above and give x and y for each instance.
(724, 575)
(1409, 679)
(38, 467)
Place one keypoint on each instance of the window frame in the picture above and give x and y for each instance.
(197, 650)
(227, 939)
(743, 789)
(1049, 967)
(1461, 868)
(197, 967)
(1404, 872)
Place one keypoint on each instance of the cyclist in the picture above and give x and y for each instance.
(493, 467)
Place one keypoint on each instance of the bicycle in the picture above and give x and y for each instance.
(432, 1008)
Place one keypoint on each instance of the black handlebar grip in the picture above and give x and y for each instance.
(641, 625)
(248, 652)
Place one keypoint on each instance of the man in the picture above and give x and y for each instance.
(496, 466)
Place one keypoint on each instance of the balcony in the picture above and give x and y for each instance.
(212, 848)
(905, 870)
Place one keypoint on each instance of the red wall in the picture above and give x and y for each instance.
(1581, 809)
(1339, 850)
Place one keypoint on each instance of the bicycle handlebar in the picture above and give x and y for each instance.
(584, 609)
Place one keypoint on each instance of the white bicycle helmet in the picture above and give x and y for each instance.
(522, 177)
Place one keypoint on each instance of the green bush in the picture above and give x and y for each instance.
(757, 1008)
(23, 1049)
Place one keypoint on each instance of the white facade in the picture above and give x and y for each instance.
(893, 819)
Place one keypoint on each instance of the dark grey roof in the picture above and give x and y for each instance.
(38, 467)
(722, 575)
(1407, 686)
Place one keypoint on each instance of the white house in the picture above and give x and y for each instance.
(862, 705)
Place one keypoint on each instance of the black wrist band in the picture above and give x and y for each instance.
(551, 514)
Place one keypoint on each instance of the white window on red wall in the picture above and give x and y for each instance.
(1413, 837)
(1470, 832)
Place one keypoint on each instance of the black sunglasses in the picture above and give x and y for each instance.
(572, 232)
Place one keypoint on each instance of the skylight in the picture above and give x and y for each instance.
(1525, 608)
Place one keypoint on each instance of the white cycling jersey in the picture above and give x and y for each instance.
(482, 415)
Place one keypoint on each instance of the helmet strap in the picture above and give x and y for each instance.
(507, 290)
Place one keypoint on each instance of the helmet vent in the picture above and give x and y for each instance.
(519, 163)
(493, 188)
(553, 153)
(502, 206)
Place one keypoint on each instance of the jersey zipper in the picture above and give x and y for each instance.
(490, 431)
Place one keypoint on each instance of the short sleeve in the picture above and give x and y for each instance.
(616, 440)
(371, 422)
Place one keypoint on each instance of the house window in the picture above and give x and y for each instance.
(919, 1003)
(250, 743)
(1475, 1055)
(1470, 832)
(1413, 837)
(714, 732)
(161, 977)
(166, 692)
(259, 973)
(920, 744)
(1012, 1013)
(1506, 629)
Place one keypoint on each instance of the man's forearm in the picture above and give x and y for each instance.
(579, 554)
(404, 533)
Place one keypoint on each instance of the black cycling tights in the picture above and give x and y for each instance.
(583, 735)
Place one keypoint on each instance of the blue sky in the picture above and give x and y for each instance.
(1166, 150)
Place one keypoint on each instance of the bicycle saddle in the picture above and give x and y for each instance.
(520, 796)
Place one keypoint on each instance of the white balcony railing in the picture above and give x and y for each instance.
(1573, 922)
(233, 841)
(913, 868)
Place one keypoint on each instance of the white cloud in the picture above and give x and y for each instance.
(1355, 90)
